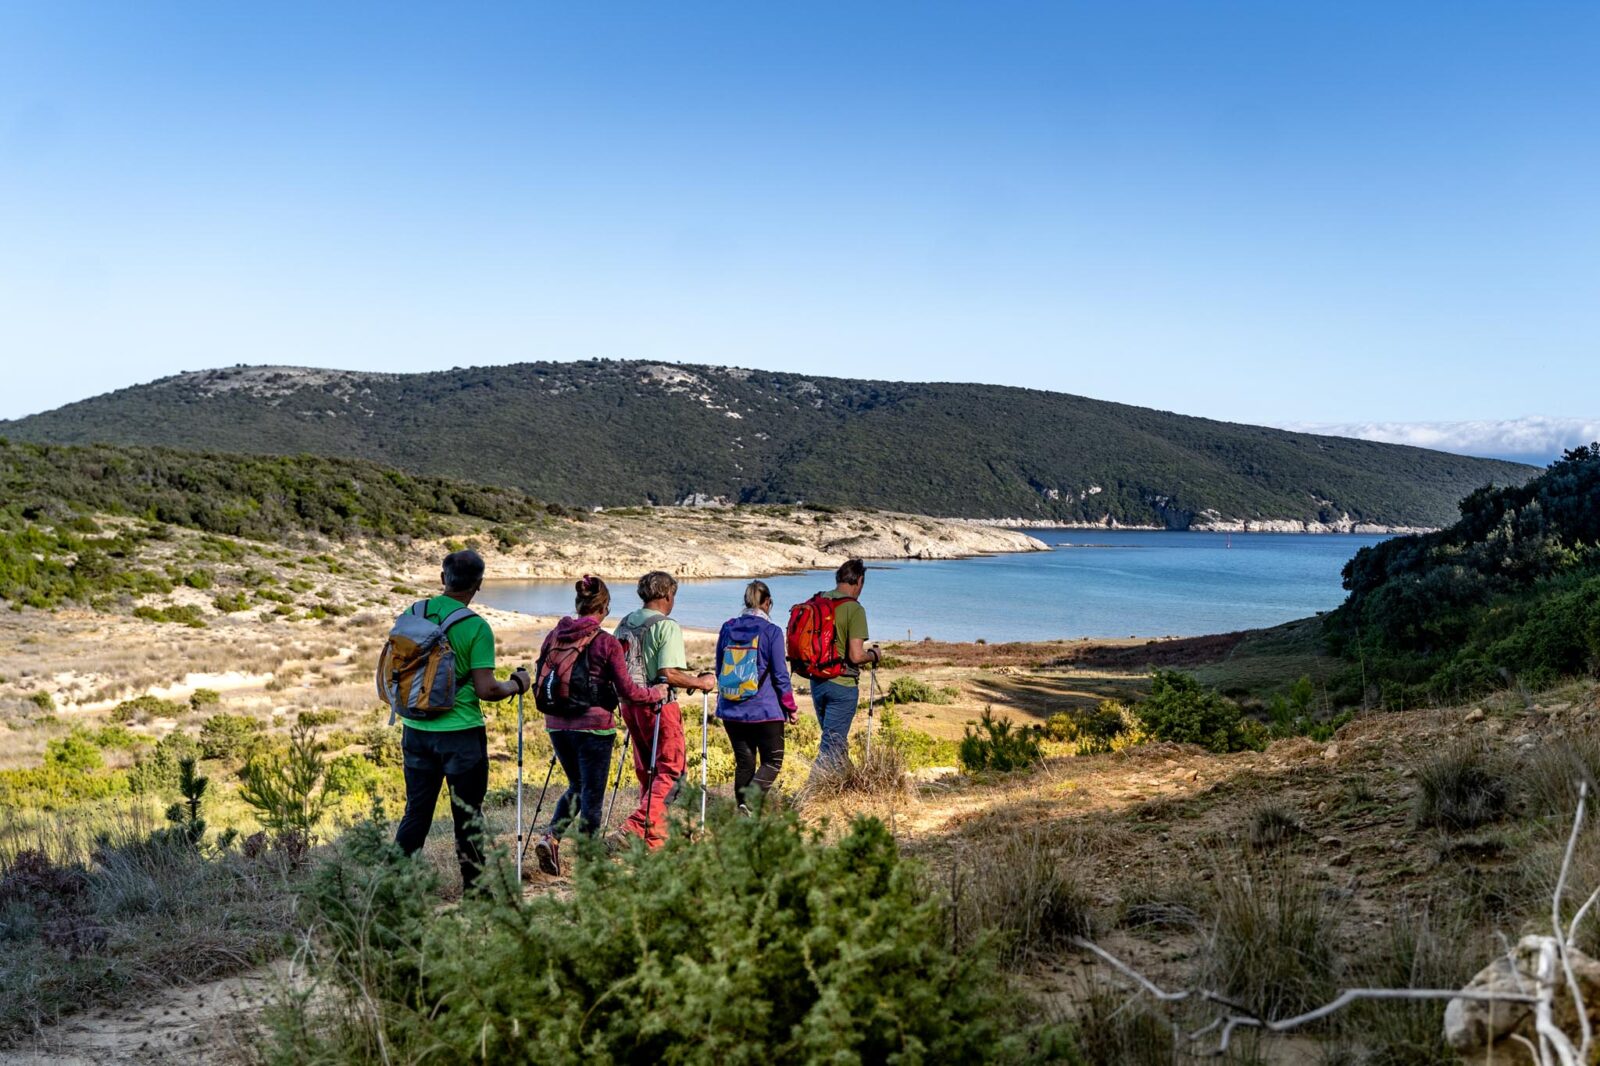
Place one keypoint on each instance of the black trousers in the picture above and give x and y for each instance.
(749, 740)
(460, 758)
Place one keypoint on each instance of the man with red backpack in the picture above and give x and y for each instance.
(827, 643)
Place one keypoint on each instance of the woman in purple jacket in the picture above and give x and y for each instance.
(583, 742)
(754, 697)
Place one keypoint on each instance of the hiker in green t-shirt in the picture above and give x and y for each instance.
(835, 700)
(454, 747)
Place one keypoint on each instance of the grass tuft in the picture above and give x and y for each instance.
(1461, 787)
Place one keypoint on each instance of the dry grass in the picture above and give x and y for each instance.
(1021, 887)
(1553, 771)
(1272, 937)
(1461, 787)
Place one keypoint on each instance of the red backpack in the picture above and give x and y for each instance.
(812, 643)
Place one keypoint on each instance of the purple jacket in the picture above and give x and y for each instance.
(774, 700)
(606, 663)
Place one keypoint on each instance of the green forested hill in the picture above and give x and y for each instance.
(1509, 594)
(626, 433)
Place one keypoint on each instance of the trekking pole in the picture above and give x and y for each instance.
(540, 805)
(650, 779)
(616, 786)
(872, 695)
(705, 722)
(519, 788)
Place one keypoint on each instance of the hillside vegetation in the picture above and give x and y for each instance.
(1509, 594)
(53, 548)
(621, 433)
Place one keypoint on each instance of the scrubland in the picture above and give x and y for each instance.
(1380, 798)
(1394, 851)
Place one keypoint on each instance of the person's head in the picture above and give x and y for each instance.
(593, 599)
(851, 575)
(757, 596)
(658, 589)
(462, 573)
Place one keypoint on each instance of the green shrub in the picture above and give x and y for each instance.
(179, 614)
(231, 602)
(1179, 709)
(230, 737)
(911, 690)
(43, 700)
(318, 718)
(116, 737)
(352, 775)
(383, 745)
(156, 772)
(998, 745)
(76, 752)
(202, 698)
(52, 788)
(199, 579)
(916, 748)
(144, 708)
(846, 963)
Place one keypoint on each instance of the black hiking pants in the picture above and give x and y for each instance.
(460, 758)
(749, 740)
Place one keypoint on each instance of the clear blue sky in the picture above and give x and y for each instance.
(1278, 212)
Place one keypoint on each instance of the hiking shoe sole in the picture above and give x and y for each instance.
(544, 852)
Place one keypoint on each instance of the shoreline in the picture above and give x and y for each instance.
(1266, 525)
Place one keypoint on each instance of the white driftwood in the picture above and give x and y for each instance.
(1545, 975)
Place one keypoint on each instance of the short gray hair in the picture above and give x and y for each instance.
(462, 570)
(657, 585)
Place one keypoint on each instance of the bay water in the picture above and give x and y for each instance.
(1092, 583)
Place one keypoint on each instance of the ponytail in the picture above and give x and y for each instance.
(593, 597)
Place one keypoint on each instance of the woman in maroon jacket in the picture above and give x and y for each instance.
(583, 742)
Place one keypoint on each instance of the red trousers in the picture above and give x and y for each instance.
(649, 820)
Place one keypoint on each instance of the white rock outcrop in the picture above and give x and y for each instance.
(1478, 1028)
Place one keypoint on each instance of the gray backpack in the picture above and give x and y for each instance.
(632, 638)
(417, 668)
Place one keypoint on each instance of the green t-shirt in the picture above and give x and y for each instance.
(473, 642)
(663, 644)
(849, 621)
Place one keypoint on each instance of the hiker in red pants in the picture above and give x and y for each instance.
(652, 646)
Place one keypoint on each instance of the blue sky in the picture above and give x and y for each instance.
(1349, 214)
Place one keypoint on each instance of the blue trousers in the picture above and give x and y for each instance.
(586, 760)
(836, 709)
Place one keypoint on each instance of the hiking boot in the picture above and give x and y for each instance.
(617, 840)
(547, 851)
(744, 810)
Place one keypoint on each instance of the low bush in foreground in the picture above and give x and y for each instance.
(756, 943)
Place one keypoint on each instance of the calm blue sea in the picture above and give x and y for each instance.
(1091, 584)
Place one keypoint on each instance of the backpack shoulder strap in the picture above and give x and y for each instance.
(420, 608)
(460, 615)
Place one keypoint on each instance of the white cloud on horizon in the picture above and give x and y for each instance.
(1535, 438)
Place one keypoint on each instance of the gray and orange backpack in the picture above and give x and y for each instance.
(417, 668)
